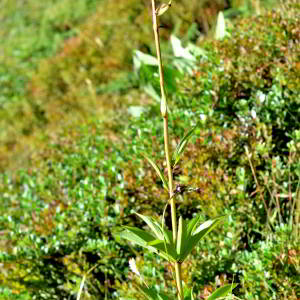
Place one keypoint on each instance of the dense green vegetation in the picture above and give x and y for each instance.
(80, 120)
(30, 31)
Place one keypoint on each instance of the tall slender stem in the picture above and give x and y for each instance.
(164, 112)
(297, 217)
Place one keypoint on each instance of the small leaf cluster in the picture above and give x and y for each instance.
(189, 234)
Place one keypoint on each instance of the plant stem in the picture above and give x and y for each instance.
(179, 281)
(170, 177)
(297, 217)
(259, 188)
(165, 120)
(164, 112)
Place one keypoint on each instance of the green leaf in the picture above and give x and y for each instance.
(163, 249)
(223, 291)
(181, 52)
(83, 280)
(140, 58)
(192, 224)
(196, 235)
(137, 235)
(163, 8)
(182, 237)
(181, 146)
(207, 226)
(158, 171)
(151, 293)
(188, 294)
(148, 241)
(136, 111)
(149, 89)
(221, 27)
(154, 226)
(168, 235)
(160, 232)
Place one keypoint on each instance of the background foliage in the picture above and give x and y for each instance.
(84, 117)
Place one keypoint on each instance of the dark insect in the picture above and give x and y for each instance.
(180, 189)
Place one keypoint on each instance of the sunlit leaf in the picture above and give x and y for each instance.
(137, 235)
(188, 294)
(179, 51)
(136, 111)
(221, 27)
(182, 237)
(140, 58)
(158, 171)
(208, 225)
(152, 294)
(193, 224)
(196, 235)
(153, 224)
(148, 241)
(181, 146)
(223, 291)
(163, 249)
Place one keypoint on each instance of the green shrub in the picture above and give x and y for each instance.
(57, 215)
(248, 85)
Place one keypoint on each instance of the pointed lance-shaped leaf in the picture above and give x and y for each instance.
(137, 236)
(182, 237)
(152, 294)
(196, 235)
(222, 291)
(192, 296)
(140, 58)
(148, 241)
(208, 226)
(163, 249)
(221, 26)
(160, 232)
(192, 225)
(158, 171)
(179, 235)
(181, 146)
(168, 235)
(188, 293)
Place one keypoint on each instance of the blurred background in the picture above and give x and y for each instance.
(79, 105)
(51, 49)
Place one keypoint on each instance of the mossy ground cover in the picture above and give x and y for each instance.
(59, 214)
